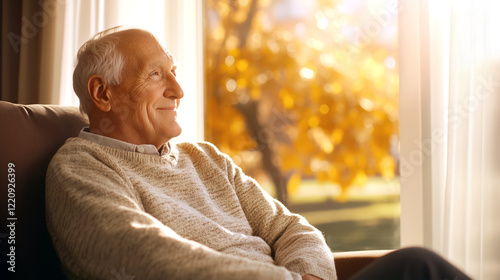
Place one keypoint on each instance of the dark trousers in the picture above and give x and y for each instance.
(412, 263)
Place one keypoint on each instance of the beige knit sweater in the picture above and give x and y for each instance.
(191, 214)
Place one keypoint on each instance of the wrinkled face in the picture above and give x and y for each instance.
(145, 103)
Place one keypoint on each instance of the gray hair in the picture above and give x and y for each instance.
(98, 56)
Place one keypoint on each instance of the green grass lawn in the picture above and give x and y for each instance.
(367, 220)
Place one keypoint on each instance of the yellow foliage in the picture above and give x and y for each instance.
(294, 183)
(313, 121)
(255, 93)
(337, 87)
(360, 179)
(325, 107)
(242, 65)
(387, 166)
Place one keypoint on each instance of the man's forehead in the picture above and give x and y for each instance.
(137, 38)
(167, 55)
(171, 57)
(136, 41)
(167, 52)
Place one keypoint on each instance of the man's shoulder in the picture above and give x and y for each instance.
(76, 150)
(75, 145)
(198, 146)
(201, 149)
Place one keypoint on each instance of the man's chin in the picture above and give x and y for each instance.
(179, 128)
(174, 134)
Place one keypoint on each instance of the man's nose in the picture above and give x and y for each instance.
(174, 90)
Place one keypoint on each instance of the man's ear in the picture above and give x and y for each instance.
(99, 93)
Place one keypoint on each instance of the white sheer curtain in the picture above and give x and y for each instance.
(176, 23)
(450, 112)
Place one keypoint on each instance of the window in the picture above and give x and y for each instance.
(303, 95)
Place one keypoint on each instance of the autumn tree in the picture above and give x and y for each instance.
(300, 105)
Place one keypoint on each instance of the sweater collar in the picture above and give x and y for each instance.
(164, 151)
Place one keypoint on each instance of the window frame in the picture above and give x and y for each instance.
(184, 39)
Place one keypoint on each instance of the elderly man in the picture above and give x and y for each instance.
(122, 201)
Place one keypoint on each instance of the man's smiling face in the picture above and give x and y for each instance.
(144, 104)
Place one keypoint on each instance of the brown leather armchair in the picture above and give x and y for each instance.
(30, 135)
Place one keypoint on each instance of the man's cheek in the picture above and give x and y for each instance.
(122, 109)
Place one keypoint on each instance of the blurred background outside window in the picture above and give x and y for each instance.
(303, 95)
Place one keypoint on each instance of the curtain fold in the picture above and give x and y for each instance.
(11, 27)
(30, 52)
(22, 23)
(31, 36)
(466, 211)
(51, 48)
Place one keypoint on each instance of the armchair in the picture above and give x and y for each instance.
(30, 136)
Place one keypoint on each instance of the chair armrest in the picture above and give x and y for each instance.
(349, 263)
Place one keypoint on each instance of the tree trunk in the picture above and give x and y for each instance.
(250, 111)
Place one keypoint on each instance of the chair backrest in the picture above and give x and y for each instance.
(29, 137)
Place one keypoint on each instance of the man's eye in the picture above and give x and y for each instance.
(155, 73)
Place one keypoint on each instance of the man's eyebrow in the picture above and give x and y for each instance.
(172, 59)
(161, 62)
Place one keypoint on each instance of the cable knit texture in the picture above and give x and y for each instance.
(191, 214)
